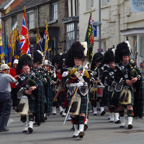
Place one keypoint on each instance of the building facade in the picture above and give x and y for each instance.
(72, 22)
(117, 22)
(39, 12)
(5, 7)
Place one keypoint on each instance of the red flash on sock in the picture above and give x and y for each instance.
(72, 121)
(84, 120)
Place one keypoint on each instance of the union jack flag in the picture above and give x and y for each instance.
(24, 42)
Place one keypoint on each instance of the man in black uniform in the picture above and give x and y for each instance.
(31, 87)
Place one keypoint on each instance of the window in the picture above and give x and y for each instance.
(14, 22)
(105, 2)
(73, 8)
(31, 19)
(89, 4)
(77, 32)
(77, 7)
(133, 44)
(54, 11)
(70, 36)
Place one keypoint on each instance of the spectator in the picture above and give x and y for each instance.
(5, 96)
(13, 85)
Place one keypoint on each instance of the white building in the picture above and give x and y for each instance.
(117, 22)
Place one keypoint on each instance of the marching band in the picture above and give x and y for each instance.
(74, 85)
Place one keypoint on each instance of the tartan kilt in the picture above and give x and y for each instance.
(115, 99)
(49, 97)
(61, 97)
(32, 105)
(83, 107)
(107, 98)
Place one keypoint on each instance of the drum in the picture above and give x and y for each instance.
(100, 90)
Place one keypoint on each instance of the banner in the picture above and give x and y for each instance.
(89, 38)
(137, 5)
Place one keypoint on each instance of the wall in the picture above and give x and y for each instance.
(113, 18)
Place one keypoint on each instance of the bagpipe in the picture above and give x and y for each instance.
(23, 106)
(125, 95)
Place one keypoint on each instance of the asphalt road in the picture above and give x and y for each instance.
(100, 131)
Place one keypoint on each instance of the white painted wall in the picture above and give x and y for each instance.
(114, 19)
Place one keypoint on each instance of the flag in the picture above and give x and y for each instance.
(9, 54)
(89, 38)
(43, 42)
(24, 42)
(1, 49)
(12, 47)
(6, 50)
(17, 52)
(28, 51)
(47, 42)
(40, 44)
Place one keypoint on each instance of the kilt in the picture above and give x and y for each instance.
(32, 105)
(107, 98)
(49, 97)
(115, 99)
(83, 107)
(61, 97)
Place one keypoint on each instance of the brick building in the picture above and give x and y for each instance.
(39, 11)
(5, 7)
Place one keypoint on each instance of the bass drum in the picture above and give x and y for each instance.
(100, 90)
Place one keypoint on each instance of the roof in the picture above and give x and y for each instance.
(4, 4)
(28, 3)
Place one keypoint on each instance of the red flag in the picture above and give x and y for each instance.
(24, 42)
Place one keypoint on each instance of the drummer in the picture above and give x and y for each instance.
(96, 67)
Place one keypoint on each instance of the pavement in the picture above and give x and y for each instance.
(100, 131)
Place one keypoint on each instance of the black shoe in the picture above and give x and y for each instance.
(61, 112)
(95, 114)
(122, 126)
(81, 134)
(117, 122)
(30, 130)
(4, 130)
(45, 118)
(72, 128)
(85, 127)
(74, 136)
(130, 126)
(103, 113)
